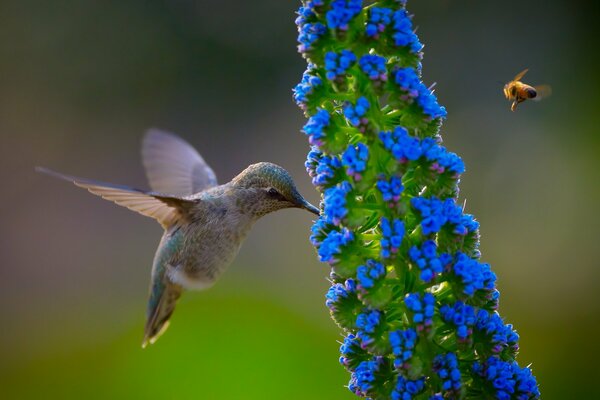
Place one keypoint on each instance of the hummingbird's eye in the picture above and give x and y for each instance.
(272, 192)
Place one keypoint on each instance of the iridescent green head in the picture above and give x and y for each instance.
(271, 188)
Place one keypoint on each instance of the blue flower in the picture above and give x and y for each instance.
(367, 322)
(403, 32)
(462, 316)
(334, 200)
(442, 160)
(315, 127)
(355, 113)
(379, 18)
(306, 87)
(446, 367)
(436, 213)
(367, 275)
(308, 33)
(337, 293)
(336, 64)
(373, 66)
(332, 244)
(342, 12)
(403, 344)
(402, 146)
(423, 309)
(428, 261)
(321, 168)
(355, 160)
(507, 379)
(391, 189)
(349, 349)
(501, 336)
(409, 82)
(406, 389)
(473, 274)
(392, 232)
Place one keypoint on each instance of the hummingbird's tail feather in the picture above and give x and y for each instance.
(165, 209)
(160, 308)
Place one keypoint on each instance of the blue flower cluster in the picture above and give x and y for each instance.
(408, 80)
(442, 159)
(405, 147)
(422, 307)
(473, 274)
(306, 87)
(342, 12)
(349, 348)
(319, 231)
(367, 322)
(462, 316)
(374, 67)
(379, 19)
(428, 261)
(502, 336)
(334, 202)
(333, 243)
(446, 367)
(321, 168)
(367, 275)
(315, 127)
(391, 189)
(355, 114)
(436, 213)
(355, 160)
(403, 32)
(407, 389)
(416, 304)
(338, 292)
(336, 64)
(402, 146)
(508, 380)
(403, 345)
(465, 318)
(392, 233)
(308, 34)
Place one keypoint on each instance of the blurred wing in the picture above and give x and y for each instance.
(543, 91)
(173, 166)
(520, 75)
(166, 210)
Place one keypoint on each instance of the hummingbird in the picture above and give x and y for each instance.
(204, 223)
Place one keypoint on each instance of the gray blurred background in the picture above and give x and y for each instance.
(81, 81)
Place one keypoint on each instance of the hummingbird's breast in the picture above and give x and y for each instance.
(211, 241)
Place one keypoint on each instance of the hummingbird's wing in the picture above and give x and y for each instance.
(173, 166)
(165, 209)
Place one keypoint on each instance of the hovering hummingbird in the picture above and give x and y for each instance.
(204, 223)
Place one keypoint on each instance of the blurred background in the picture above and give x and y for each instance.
(82, 80)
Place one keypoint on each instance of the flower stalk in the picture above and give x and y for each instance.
(417, 306)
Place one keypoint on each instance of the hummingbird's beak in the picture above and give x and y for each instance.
(307, 206)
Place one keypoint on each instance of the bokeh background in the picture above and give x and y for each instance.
(82, 80)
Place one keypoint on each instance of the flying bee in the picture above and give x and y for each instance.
(518, 92)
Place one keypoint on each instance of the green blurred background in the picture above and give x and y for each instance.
(81, 81)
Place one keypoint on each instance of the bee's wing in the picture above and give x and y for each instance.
(543, 91)
(520, 75)
(173, 166)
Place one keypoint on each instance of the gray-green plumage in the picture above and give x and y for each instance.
(205, 224)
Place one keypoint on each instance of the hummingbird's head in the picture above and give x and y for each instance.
(270, 188)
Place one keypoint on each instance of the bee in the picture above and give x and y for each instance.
(518, 92)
